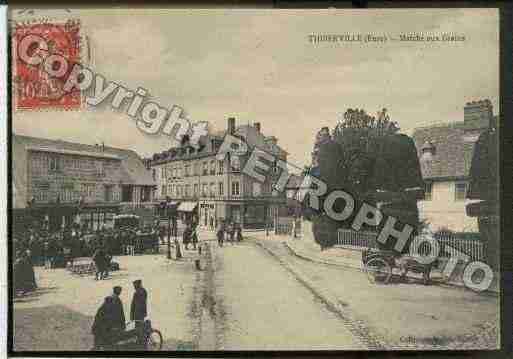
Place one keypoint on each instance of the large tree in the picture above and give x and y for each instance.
(367, 157)
(484, 186)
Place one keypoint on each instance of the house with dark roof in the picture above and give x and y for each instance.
(60, 179)
(445, 155)
(208, 189)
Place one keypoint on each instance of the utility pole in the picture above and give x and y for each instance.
(168, 234)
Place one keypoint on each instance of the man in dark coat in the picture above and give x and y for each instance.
(187, 236)
(117, 315)
(194, 235)
(138, 309)
(102, 324)
(30, 279)
(99, 259)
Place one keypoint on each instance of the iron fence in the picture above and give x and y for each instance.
(449, 244)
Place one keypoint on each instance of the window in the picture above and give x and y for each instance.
(220, 165)
(41, 195)
(196, 190)
(163, 173)
(100, 169)
(145, 194)
(460, 190)
(212, 167)
(37, 164)
(54, 164)
(274, 167)
(127, 194)
(205, 168)
(221, 189)
(92, 188)
(187, 170)
(66, 194)
(428, 191)
(108, 193)
(154, 174)
(204, 190)
(212, 189)
(235, 163)
(188, 190)
(87, 190)
(164, 191)
(235, 189)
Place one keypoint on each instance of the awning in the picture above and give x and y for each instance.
(187, 206)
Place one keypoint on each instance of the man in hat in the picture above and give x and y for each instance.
(138, 309)
(118, 314)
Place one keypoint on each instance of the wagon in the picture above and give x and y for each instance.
(382, 265)
(82, 265)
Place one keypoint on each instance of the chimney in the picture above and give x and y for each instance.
(257, 126)
(478, 114)
(231, 125)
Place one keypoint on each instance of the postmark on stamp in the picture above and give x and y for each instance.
(33, 88)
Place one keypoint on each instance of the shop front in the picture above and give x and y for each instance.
(96, 215)
(188, 211)
(207, 215)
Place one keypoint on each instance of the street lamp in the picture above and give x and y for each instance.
(177, 244)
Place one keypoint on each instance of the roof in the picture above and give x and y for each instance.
(453, 147)
(255, 138)
(79, 153)
(249, 133)
(132, 171)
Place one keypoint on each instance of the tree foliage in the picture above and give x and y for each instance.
(365, 155)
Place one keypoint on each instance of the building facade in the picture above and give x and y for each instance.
(211, 189)
(445, 154)
(70, 182)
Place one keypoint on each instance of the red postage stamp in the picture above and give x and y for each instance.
(33, 87)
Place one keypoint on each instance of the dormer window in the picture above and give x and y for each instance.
(428, 150)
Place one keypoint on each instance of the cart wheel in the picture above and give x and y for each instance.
(378, 270)
(154, 340)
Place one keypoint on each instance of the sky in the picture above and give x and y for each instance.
(259, 66)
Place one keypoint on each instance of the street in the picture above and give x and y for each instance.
(264, 307)
(256, 295)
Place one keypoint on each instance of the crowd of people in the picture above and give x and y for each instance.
(230, 231)
(54, 249)
(37, 245)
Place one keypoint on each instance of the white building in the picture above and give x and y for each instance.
(445, 154)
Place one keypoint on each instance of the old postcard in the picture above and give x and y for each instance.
(209, 180)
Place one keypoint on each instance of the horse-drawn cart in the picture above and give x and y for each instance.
(382, 265)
